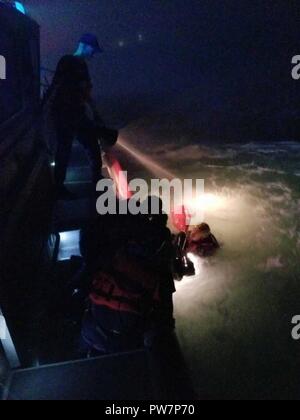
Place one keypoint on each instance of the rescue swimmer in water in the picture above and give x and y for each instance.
(201, 241)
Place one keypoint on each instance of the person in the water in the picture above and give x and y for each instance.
(202, 242)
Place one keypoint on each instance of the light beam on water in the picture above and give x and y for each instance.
(156, 169)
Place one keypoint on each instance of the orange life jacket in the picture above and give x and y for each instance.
(128, 288)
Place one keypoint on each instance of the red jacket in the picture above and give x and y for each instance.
(205, 247)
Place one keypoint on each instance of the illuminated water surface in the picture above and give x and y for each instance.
(234, 316)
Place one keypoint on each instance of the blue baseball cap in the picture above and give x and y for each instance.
(91, 39)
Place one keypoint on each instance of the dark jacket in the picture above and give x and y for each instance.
(70, 86)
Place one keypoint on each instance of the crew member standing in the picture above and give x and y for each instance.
(68, 98)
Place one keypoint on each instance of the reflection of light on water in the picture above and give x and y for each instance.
(207, 202)
(211, 201)
(217, 207)
(238, 293)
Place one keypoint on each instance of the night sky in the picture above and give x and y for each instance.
(214, 61)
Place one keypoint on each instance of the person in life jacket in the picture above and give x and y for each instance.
(202, 242)
(127, 292)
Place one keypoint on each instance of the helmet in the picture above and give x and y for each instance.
(204, 227)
